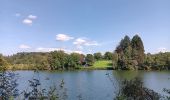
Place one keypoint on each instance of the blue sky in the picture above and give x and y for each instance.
(84, 26)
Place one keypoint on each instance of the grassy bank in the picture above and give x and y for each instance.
(101, 65)
(98, 65)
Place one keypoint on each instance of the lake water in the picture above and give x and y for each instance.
(95, 84)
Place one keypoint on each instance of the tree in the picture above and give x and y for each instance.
(108, 55)
(161, 61)
(148, 61)
(115, 60)
(76, 58)
(135, 90)
(89, 59)
(124, 47)
(130, 52)
(137, 49)
(58, 59)
(127, 49)
(97, 56)
(73, 60)
(3, 63)
(168, 62)
(41, 62)
(8, 85)
(124, 51)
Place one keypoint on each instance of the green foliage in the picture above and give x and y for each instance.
(74, 60)
(115, 61)
(9, 91)
(168, 92)
(89, 59)
(43, 61)
(137, 49)
(130, 53)
(98, 56)
(168, 62)
(8, 84)
(131, 56)
(61, 60)
(37, 93)
(3, 63)
(76, 57)
(134, 90)
(58, 59)
(108, 56)
(161, 61)
(32, 60)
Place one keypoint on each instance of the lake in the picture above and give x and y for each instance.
(94, 84)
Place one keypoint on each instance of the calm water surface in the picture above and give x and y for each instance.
(95, 85)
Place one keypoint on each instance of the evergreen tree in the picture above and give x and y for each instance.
(130, 52)
(124, 50)
(127, 49)
(137, 49)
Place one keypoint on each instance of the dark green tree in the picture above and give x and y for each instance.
(168, 62)
(58, 59)
(124, 51)
(148, 61)
(97, 56)
(130, 53)
(73, 60)
(41, 62)
(115, 60)
(137, 49)
(89, 59)
(108, 55)
(127, 49)
(76, 58)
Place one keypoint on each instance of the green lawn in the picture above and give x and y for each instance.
(102, 64)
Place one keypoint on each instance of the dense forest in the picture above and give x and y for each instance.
(128, 55)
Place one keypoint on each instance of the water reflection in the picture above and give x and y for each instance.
(128, 75)
(96, 85)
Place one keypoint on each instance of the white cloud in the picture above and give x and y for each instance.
(80, 42)
(23, 46)
(41, 49)
(27, 21)
(63, 37)
(32, 17)
(162, 49)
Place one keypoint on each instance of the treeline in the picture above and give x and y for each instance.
(3, 63)
(129, 55)
(51, 60)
